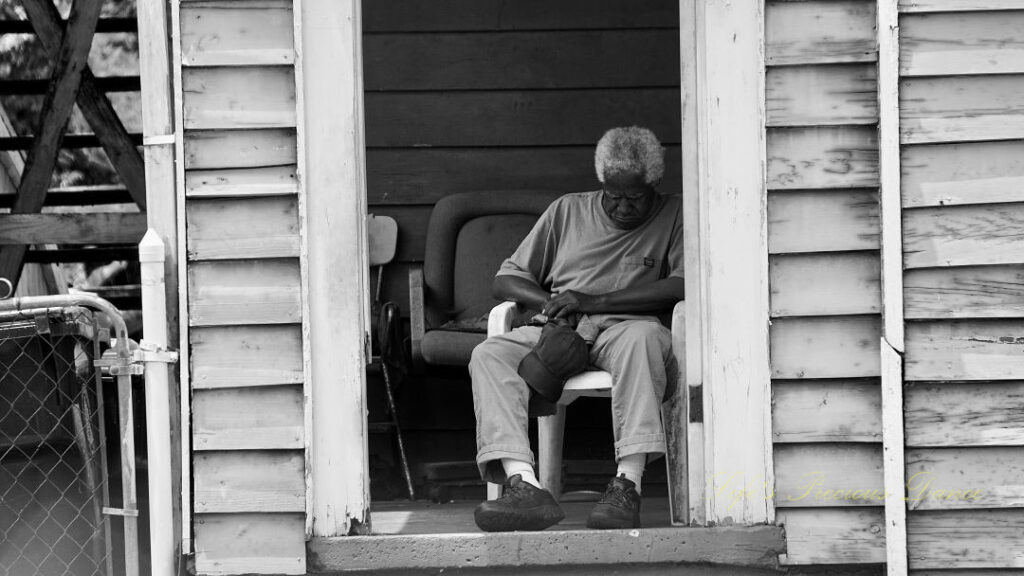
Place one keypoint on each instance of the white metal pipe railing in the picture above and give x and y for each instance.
(158, 415)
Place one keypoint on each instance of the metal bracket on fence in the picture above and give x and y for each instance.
(135, 364)
(150, 352)
(119, 512)
(118, 365)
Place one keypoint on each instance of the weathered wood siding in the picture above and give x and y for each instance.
(484, 95)
(243, 245)
(825, 280)
(961, 129)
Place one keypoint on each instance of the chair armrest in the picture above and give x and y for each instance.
(500, 319)
(417, 315)
(679, 337)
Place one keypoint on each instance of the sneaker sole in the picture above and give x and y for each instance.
(538, 518)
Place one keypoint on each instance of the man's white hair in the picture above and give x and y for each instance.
(633, 150)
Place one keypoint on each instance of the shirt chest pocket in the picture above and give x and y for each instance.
(640, 263)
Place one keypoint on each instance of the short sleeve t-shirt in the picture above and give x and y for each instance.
(575, 246)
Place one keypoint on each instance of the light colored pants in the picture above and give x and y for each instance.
(637, 353)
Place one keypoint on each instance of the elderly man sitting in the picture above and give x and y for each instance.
(616, 256)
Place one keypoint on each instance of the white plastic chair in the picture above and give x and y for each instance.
(594, 383)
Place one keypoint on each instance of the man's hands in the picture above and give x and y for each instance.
(656, 296)
(568, 303)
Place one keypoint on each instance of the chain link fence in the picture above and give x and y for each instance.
(67, 462)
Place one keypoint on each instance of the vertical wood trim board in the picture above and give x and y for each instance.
(691, 114)
(734, 260)
(303, 203)
(891, 347)
(185, 361)
(160, 154)
(337, 262)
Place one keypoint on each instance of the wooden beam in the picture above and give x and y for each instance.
(104, 25)
(93, 254)
(96, 228)
(78, 196)
(60, 99)
(10, 143)
(331, 155)
(104, 84)
(733, 262)
(94, 104)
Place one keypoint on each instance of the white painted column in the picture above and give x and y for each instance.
(332, 200)
(727, 256)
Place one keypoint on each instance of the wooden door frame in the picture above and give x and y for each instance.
(731, 476)
(332, 180)
(722, 84)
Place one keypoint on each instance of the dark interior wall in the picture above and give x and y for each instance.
(466, 95)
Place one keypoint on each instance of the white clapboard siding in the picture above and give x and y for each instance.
(822, 157)
(963, 235)
(237, 34)
(828, 475)
(966, 173)
(240, 149)
(249, 481)
(821, 95)
(964, 292)
(829, 347)
(965, 350)
(244, 292)
(239, 97)
(851, 535)
(250, 543)
(830, 284)
(814, 221)
(964, 414)
(242, 228)
(819, 32)
(826, 411)
(958, 478)
(962, 43)
(961, 108)
(243, 182)
(965, 539)
(235, 356)
(912, 6)
(265, 417)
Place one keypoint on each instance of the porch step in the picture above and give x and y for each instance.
(753, 547)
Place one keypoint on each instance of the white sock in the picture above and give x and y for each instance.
(524, 469)
(632, 467)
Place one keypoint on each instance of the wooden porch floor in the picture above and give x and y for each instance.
(421, 517)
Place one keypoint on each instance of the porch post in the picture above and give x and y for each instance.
(333, 208)
(727, 259)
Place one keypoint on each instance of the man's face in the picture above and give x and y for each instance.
(627, 199)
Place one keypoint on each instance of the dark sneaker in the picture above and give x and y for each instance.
(522, 506)
(618, 508)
